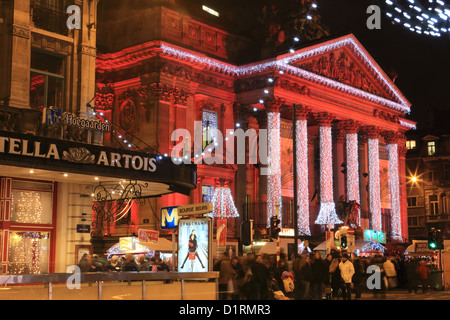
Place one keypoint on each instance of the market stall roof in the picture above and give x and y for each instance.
(163, 245)
(419, 248)
(116, 250)
(359, 245)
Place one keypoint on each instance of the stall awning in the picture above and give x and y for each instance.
(359, 245)
(419, 248)
(163, 245)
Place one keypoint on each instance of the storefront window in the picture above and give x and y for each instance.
(31, 207)
(29, 252)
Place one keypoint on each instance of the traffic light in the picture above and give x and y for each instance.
(246, 233)
(344, 243)
(274, 227)
(435, 240)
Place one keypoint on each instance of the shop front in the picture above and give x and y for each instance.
(48, 187)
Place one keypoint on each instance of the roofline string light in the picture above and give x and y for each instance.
(283, 65)
(432, 19)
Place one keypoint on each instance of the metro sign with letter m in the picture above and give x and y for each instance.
(169, 218)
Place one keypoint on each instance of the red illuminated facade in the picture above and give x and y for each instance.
(178, 69)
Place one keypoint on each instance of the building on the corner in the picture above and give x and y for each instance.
(165, 66)
(54, 160)
(428, 175)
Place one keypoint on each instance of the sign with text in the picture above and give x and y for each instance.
(83, 228)
(169, 218)
(148, 236)
(37, 152)
(374, 236)
(194, 209)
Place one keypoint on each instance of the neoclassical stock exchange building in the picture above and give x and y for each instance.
(150, 71)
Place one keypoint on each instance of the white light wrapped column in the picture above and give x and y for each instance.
(395, 192)
(374, 184)
(301, 135)
(353, 170)
(327, 213)
(392, 140)
(274, 164)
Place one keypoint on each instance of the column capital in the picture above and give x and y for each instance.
(325, 119)
(371, 132)
(392, 137)
(302, 112)
(275, 104)
(351, 126)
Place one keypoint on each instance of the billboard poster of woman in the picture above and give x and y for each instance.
(193, 244)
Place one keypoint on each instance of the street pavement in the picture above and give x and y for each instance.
(403, 294)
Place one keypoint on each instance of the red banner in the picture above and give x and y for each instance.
(148, 235)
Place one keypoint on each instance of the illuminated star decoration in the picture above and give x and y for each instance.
(428, 17)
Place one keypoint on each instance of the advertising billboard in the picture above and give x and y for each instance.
(194, 244)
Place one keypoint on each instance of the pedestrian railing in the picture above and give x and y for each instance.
(99, 278)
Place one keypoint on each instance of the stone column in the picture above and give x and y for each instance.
(392, 140)
(327, 213)
(20, 55)
(351, 136)
(373, 134)
(274, 158)
(301, 136)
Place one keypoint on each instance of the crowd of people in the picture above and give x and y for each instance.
(92, 263)
(312, 277)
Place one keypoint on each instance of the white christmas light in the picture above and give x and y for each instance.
(395, 192)
(223, 204)
(353, 170)
(327, 212)
(274, 166)
(374, 184)
(302, 177)
(432, 23)
(284, 64)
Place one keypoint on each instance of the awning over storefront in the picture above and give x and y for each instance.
(158, 174)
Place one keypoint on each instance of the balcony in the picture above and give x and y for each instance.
(443, 217)
(29, 121)
(50, 18)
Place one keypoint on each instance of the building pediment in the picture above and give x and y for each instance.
(345, 64)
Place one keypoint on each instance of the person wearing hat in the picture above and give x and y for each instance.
(347, 272)
(113, 264)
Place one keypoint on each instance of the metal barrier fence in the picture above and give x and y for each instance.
(99, 277)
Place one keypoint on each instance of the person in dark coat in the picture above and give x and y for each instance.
(259, 283)
(320, 275)
(130, 264)
(358, 277)
(335, 277)
(97, 265)
(411, 275)
(85, 263)
(306, 277)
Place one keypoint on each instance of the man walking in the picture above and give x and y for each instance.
(347, 272)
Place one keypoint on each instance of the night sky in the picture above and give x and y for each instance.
(422, 62)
